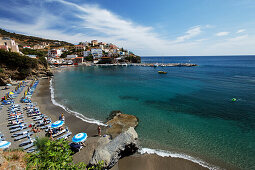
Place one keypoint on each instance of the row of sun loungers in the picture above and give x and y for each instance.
(18, 126)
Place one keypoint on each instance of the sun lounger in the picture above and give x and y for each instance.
(22, 136)
(26, 142)
(18, 129)
(65, 136)
(32, 150)
(21, 133)
(15, 123)
(17, 126)
(46, 126)
(14, 109)
(60, 133)
(2, 139)
(14, 118)
(75, 147)
(39, 118)
(28, 146)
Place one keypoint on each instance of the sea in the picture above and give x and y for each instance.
(187, 113)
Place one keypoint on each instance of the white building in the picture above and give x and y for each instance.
(9, 44)
(97, 53)
(32, 56)
(54, 53)
(55, 60)
(86, 53)
(71, 56)
(38, 47)
(121, 53)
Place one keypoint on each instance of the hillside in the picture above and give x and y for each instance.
(18, 67)
(24, 40)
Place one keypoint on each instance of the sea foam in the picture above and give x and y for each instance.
(78, 115)
(164, 153)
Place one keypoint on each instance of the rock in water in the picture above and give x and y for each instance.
(123, 145)
(120, 122)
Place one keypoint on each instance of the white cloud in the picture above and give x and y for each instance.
(192, 32)
(220, 34)
(240, 31)
(93, 22)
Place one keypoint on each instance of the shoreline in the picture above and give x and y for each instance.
(76, 124)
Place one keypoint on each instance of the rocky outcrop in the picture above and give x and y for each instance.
(49, 73)
(120, 122)
(110, 152)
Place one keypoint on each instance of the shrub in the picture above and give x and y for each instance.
(54, 155)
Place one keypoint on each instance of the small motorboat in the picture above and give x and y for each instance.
(162, 72)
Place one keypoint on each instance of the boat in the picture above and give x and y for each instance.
(162, 72)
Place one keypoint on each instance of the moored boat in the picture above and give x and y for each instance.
(162, 72)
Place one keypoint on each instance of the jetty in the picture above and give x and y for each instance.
(151, 64)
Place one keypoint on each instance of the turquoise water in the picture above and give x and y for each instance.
(188, 110)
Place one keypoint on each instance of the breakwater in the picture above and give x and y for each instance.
(152, 64)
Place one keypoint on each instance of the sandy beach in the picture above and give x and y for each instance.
(76, 125)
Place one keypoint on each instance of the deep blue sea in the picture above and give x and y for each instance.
(187, 111)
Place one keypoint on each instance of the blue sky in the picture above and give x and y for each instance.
(146, 27)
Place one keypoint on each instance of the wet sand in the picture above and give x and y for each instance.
(76, 125)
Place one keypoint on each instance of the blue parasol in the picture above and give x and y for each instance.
(4, 144)
(57, 124)
(80, 137)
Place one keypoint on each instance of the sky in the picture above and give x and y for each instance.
(145, 27)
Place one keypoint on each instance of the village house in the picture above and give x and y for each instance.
(54, 53)
(27, 46)
(32, 56)
(8, 44)
(86, 53)
(78, 60)
(94, 43)
(97, 53)
(38, 47)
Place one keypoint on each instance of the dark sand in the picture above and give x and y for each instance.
(76, 125)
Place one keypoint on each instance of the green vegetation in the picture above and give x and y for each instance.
(54, 155)
(89, 58)
(40, 54)
(31, 40)
(15, 61)
(133, 59)
(64, 54)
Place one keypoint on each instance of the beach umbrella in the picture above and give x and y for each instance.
(4, 144)
(10, 93)
(80, 137)
(8, 85)
(57, 124)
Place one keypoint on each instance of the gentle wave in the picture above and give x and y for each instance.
(158, 152)
(78, 115)
(164, 153)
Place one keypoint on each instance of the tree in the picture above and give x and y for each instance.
(54, 155)
(89, 58)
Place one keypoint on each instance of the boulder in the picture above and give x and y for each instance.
(120, 123)
(49, 73)
(123, 145)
